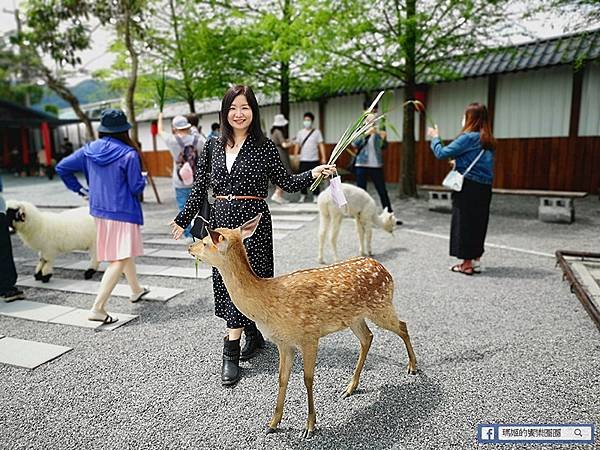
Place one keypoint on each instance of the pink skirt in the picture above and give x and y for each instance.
(117, 240)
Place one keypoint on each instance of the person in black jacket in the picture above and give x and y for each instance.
(243, 163)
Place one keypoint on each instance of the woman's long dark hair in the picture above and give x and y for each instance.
(226, 129)
(476, 119)
(122, 136)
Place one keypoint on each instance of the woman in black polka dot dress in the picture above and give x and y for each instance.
(243, 163)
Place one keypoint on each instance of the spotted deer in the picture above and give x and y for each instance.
(295, 310)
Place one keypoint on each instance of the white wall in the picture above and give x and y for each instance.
(446, 103)
(339, 113)
(589, 117)
(534, 104)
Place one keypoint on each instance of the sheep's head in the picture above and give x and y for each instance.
(388, 220)
(16, 214)
(216, 246)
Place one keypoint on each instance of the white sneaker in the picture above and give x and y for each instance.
(302, 198)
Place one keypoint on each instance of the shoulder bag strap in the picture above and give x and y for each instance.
(473, 163)
(306, 138)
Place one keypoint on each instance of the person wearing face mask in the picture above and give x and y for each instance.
(243, 161)
(473, 152)
(309, 144)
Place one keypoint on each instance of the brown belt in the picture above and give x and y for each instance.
(231, 197)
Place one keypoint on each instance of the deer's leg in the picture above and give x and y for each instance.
(286, 360)
(360, 229)
(324, 225)
(335, 231)
(362, 332)
(309, 358)
(388, 319)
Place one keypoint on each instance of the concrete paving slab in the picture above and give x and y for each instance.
(287, 226)
(295, 208)
(28, 354)
(79, 318)
(173, 254)
(279, 236)
(294, 218)
(186, 272)
(41, 312)
(166, 241)
(158, 293)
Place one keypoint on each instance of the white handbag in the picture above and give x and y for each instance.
(454, 179)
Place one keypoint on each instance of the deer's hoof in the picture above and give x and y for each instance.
(307, 434)
(38, 276)
(345, 394)
(89, 273)
(412, 370)
(46, 278)
(270, 430)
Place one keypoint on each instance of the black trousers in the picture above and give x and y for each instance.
(470, 216)
(309, 165)
(378, 179)
(8, 272)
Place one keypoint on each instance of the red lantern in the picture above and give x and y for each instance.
(154, 128)
(421, 96)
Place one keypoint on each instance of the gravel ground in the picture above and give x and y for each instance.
(512, 345)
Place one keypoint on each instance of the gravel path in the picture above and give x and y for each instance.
(512, 345)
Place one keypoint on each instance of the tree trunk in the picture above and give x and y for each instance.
(408, 182)
(284, 93)
(187, 80)
(133, 72)
(59, 87)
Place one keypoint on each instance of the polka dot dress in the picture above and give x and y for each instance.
(252, 170)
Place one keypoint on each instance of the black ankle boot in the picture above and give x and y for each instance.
(254, 342)
(230, 373)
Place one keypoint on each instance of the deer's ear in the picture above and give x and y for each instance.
(217, 239)
(249, 227)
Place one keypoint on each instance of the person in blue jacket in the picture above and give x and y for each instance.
(115, 181)
(471, 205)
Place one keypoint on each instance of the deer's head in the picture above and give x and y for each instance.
(388, 220)
(215, 247)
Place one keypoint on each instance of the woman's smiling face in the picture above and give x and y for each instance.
(240, 113)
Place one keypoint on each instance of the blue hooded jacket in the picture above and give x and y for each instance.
(464, 149)
(113, 173)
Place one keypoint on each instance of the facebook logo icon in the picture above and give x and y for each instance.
(487, 433)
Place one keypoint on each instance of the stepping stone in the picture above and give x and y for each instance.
(278, 236)
(295, 208)
(78, 318)
(173, 254)
(287, 226)
(41, 312)
(28, 354)
(294, 218)
(187, 272)
(166, 241)
(160, 294)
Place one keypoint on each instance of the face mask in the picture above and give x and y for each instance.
(307, 123)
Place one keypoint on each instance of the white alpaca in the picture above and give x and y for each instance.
(362, 207)
(53, 233)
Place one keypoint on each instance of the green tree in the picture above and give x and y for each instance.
(407, 42)
(56, 29)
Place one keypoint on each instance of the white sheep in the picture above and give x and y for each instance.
(53, 233)
(362, 207)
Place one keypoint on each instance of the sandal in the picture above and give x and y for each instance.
(458, 268)
(137, 297)
(106, 321)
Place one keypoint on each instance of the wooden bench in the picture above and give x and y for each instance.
(555, 206)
